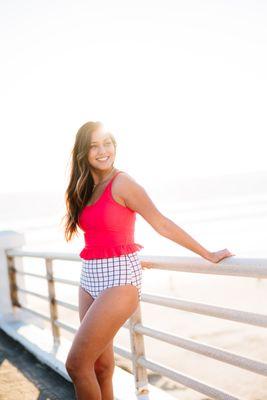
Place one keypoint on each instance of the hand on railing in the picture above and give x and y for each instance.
(146, 264)
(217, 256)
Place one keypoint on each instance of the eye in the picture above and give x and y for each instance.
(93, 145)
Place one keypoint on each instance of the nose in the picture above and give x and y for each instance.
(101, 151)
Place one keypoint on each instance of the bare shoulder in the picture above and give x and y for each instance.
(123, 185)
(124, 178)
(137, 199)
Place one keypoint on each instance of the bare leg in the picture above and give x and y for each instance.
(105, 364)
(104, 369)
(85, 302)
(98, 327)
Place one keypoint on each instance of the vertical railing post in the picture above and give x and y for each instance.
(138, 350)
(13, 281)
(8, 278)
(52, 299)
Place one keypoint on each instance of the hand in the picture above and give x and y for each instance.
(217, 256)
(146, 264)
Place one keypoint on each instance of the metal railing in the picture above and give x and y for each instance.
(256, 268)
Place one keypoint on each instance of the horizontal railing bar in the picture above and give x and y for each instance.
(206, 309)
(35, 313)
(67, 305)
(56, 279)
(67, 327)
(43, 254)
(233, 266)
(206, 350)
(41, 296)
(186, 380)
(66, 281)
(122, 352)
(195, 307)
(28, 273)
(185, 305)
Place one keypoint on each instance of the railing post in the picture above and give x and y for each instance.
(13, 281)
(8, 298)
(138, 350)
(52, 299)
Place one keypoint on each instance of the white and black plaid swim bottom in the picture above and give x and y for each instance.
(98, 274)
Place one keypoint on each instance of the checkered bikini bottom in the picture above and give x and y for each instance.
(98, 274)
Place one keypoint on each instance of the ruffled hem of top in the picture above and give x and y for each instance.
(106, 251)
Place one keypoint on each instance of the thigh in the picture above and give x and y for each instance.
(106, 358)
(85, 301)
(106, 315)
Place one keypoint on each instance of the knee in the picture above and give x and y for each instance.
(76, 368)
(104, 369)
(71, 367)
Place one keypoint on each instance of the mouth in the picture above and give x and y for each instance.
(102, 159)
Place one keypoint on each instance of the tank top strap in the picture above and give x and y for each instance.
(108, 187)
(112, 179)
(110, 182)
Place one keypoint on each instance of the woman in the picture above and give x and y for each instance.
(103, 201)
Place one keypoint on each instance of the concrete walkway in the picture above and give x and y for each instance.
(23, 377)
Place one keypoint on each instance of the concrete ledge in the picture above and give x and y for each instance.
(39, 341)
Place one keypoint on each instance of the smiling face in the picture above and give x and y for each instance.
(102, 151)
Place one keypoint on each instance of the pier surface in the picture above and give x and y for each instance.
(22, 376)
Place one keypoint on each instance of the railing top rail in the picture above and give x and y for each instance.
(234, 266)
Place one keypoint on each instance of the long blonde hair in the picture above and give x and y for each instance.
(81, 182)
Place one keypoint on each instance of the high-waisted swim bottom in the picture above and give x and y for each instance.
(98, 274)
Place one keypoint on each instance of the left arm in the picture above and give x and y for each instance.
(137, 199)
(175, 233)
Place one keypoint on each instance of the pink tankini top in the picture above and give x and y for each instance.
(108, 227)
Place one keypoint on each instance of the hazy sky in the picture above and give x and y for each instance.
(182, 85)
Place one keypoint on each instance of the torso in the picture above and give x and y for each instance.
(114, 191)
